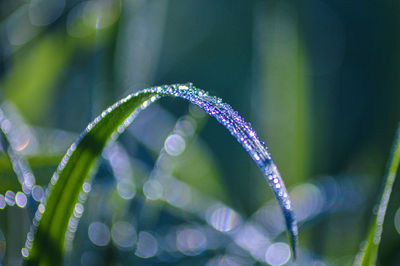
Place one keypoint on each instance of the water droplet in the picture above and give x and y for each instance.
(86, 187)
(2, 202)
(223, 219)
(126, 190)
(10, 198)
(152, 189)
(78, 211)
(147, 245)
(37, 193)
(25, 252)
(191, 241)
(278, 254)
(41, 208)
(99, 234)
(177, 194)
(174, 145)
(20, 199)
(123, 235)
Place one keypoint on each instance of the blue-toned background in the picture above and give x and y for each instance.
(318, 80)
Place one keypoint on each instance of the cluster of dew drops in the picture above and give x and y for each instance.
(240, 129)
(224, 114)
(20, 198)
(24, 174)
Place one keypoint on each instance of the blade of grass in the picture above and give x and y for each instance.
(283, 82)
(369, 253)
(47, 245)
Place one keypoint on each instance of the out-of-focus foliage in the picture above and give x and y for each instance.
(318, 79)
(369, 253)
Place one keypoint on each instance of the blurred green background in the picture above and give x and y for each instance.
(319, 80)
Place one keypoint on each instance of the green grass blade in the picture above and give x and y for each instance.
(369, 254)
(46, 246)
(284, 82)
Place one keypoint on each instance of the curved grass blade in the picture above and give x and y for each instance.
(369, 253)
(47, 245)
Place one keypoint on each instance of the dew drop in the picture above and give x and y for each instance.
(278, 254)
(37, 193)
(20, 199)
(153, 190)
(2, 202)
(123, 235)
(10, 198)
(174, 145)
(224, 219)
(99, 234)
(191, 241)
(25, 252)
(147, 245)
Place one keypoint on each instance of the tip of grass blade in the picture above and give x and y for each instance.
(369, 253)
(292, 231)
(274, 178)
(291, 225)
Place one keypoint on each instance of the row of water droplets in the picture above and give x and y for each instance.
(244, 134)
(78, 211)
(384, 200)
(224, 114)
(24, 173)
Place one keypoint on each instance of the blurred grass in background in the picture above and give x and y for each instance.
(318, 79)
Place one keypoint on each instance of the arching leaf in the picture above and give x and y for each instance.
(45, 244)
